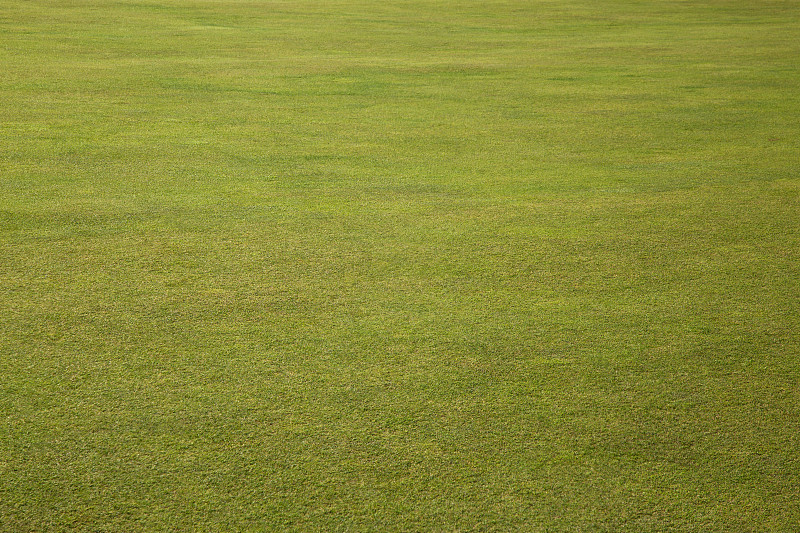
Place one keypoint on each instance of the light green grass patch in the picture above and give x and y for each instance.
(400, 266)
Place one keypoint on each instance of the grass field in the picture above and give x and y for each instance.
(413, 265)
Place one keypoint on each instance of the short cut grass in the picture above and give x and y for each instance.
(413, 265)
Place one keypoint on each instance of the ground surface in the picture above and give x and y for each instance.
(420, 265)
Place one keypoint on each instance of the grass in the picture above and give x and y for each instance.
(415, 265)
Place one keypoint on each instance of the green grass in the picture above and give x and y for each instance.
(415, 265)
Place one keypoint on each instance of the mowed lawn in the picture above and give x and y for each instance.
(403, 265)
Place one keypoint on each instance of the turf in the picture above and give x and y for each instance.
(414, 265)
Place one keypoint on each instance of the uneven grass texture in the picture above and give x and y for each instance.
(410, 265)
